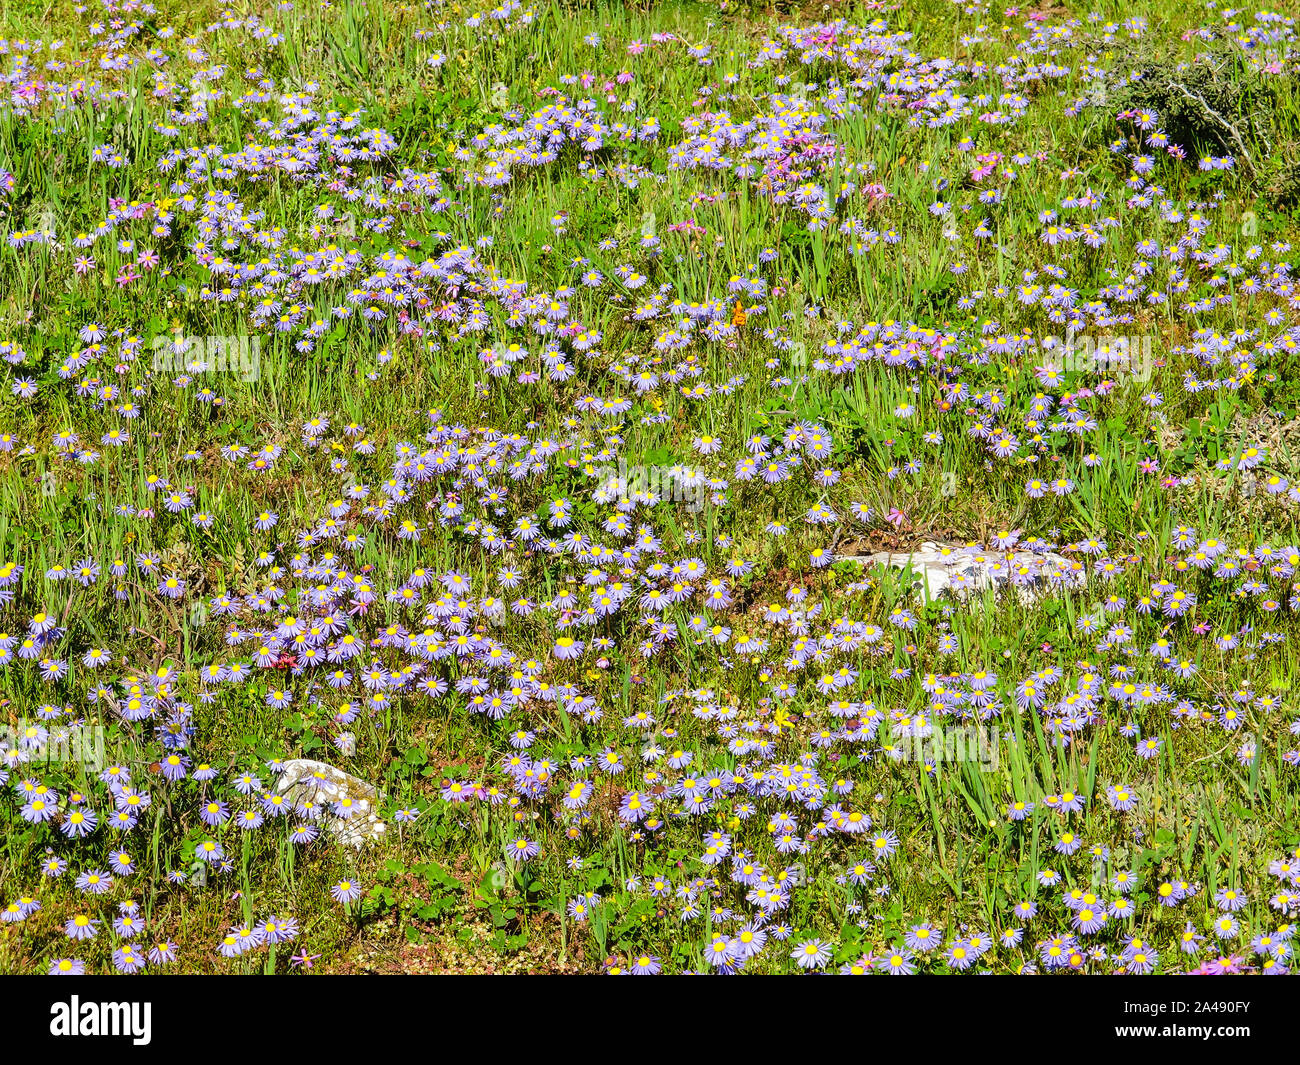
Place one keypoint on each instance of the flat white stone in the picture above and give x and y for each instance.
(304, 779)
(962, 569)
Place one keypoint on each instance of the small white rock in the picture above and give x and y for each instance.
(304, 779)
(963, 569)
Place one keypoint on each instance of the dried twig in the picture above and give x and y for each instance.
(1236, 136)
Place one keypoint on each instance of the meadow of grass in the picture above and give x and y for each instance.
(496, 403)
